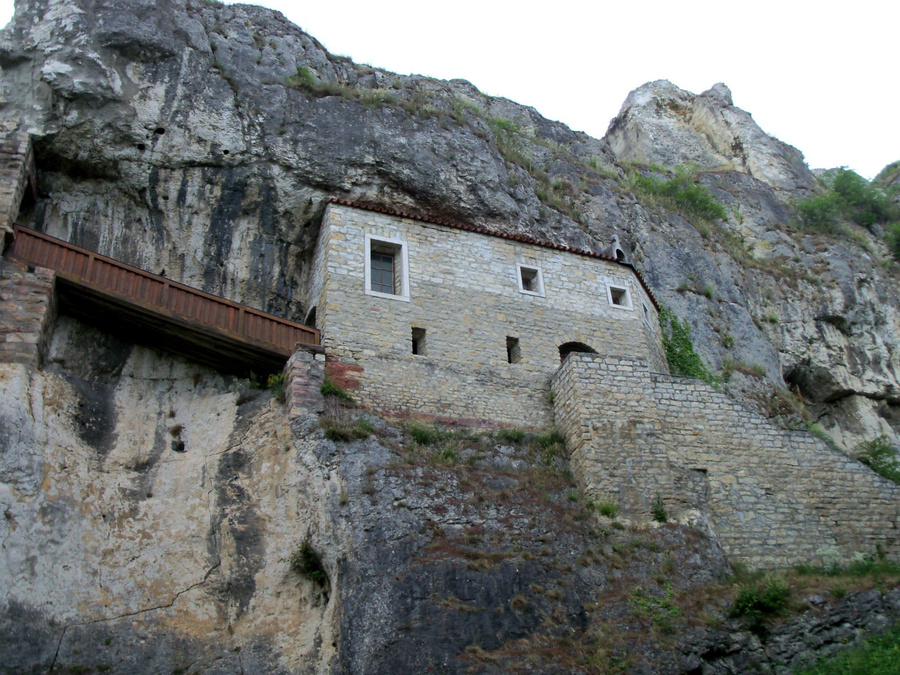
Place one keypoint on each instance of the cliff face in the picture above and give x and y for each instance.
(202, 141)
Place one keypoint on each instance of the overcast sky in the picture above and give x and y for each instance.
(820, 75)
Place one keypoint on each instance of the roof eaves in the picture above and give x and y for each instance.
(378, 208)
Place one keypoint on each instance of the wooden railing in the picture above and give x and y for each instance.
(159, 294)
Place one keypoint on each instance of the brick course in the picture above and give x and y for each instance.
(27, 311)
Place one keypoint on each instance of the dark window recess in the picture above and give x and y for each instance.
(382, 272)
(619, 296)
(513, 351)
(529, 279)
(418, 341)
(311, 318)
(569, 347)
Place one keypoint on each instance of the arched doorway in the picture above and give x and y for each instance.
(568, 347)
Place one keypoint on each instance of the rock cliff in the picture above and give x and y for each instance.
(201, 142)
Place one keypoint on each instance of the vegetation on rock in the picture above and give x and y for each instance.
(879, 655)
(849, 198)
(679, 348)
(679, 192)
(881, 456)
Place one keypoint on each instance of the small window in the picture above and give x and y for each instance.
(513, 351)
(418, 341)
(387, 268)
(531, 281)
(646, 313)
(619, 297)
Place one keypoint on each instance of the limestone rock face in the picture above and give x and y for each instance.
(151, 507)
(662, 124)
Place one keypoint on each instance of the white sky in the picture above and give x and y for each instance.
(820, 75)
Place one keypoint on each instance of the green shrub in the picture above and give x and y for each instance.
(275, 384)
(848, 197)
(608, 508)
(862, 202)
(329, 388)
(878, 655)
(679, 348)
(893, 239)
(511, 435)
(306, 562)
(302, 79)
(423, 434)
(758, 602)
(345, 430)
(659, 510)
(881, 456)
(681, 193)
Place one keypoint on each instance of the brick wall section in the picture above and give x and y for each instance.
(16, 168)
(303, 376)
(773, 497)
(27, 311)
(464, 291)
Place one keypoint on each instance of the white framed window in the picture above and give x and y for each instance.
(619, 296)
(387, 268)
(531, 279)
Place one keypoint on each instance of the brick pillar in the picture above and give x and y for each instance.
(303, 377)
(27, 312)
(16, 174)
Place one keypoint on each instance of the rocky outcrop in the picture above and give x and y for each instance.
(662, 124)
(151, 507)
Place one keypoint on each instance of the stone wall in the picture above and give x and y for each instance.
(464, 291)
(772, 497)
(27, 311)
(16, 168)
(303, 376)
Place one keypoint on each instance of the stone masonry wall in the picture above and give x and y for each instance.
(304, 373)
(16, 167)
(464, 292)
(772, 497)
(27, 311)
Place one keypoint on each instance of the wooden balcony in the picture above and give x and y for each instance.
(153, 310)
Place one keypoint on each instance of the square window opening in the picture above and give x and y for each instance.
(531, 280)
(418, 341)
(513, 350)
(619, 297)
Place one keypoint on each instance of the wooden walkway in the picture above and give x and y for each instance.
(165, 313)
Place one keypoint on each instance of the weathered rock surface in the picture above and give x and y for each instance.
(662, 124)
(151, 507)
(180, 137)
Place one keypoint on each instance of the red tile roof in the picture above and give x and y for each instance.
(502, 235)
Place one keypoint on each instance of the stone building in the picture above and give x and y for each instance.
(454, 322)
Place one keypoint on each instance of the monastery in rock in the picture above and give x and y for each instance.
(457, 324)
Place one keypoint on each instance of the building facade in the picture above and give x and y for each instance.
(457, 323)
